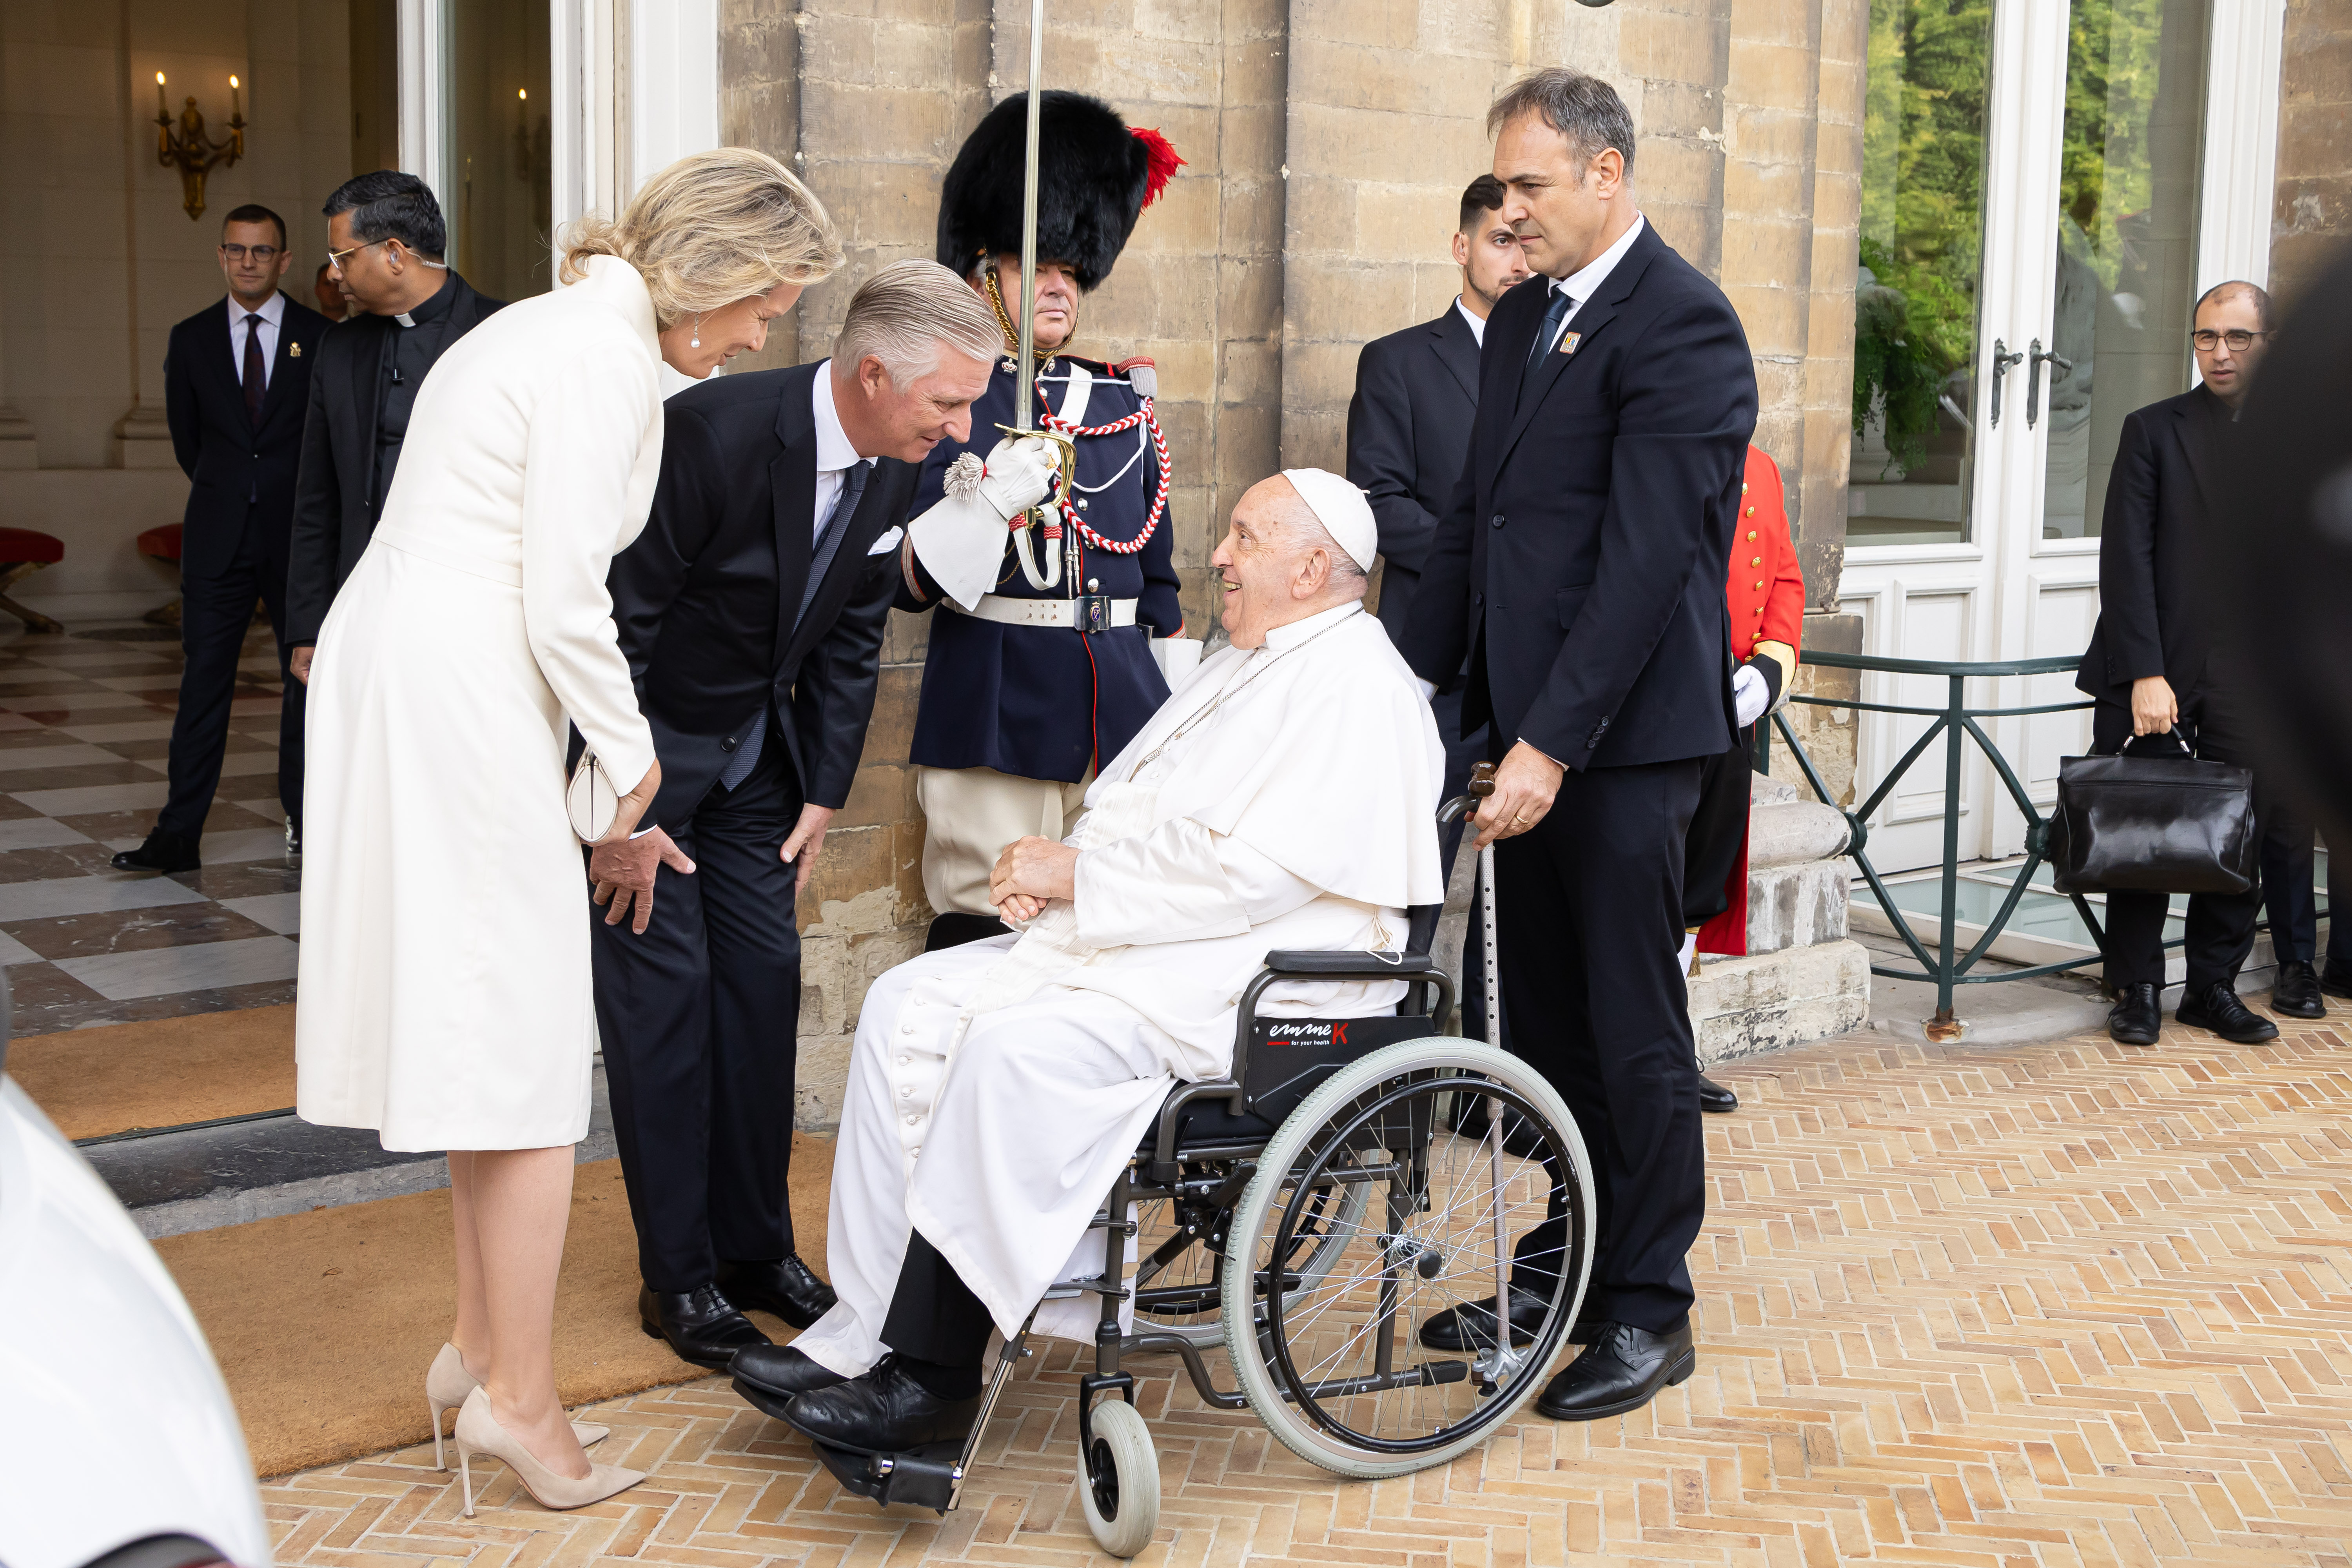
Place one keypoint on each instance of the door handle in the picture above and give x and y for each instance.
(2033, 378)
(2002, 360)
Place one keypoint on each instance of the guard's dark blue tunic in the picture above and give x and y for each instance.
(1044, 702)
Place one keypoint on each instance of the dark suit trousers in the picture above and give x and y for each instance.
(1590, 918)
(934, 1316)
(215, 611)
(2220, 926)
(696, 1018)
(2289, 897)
(1717, 830)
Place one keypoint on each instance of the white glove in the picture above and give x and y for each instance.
(960, 541)
(1751, 694)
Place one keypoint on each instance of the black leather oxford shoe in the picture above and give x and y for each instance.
(164, 852)
(1470, 1325)
(772, 1376)
(885, 1412)
(1714, 1098)
(2136, 1019)
(784, 1286)
(2295, 992)
(701, 1324)
(1619, 1371)
(2217, 1008)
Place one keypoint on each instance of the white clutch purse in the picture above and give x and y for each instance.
(590, 800)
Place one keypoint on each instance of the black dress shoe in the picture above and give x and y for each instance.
(701, 1324)
(164, 852)
(1470, 1325)
(1622, 1370)
(293, 841)
(2137, 1018)
(1714, 1098)
(2217, 1008)
(772, 1376)
(885, 1412)
(784, 1286)
(2337, 980)
(2295, 992)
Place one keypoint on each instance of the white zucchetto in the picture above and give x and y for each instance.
(1342, 508)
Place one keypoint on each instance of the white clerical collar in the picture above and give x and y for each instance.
(273, 311)
(1581, 284)
(1477, 324)
(834, 450)
(1292, 633)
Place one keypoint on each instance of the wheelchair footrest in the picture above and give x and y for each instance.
(924, 1476)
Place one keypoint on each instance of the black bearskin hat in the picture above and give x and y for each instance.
(1095, 177)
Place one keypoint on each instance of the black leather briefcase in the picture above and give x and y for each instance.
(2168, 823)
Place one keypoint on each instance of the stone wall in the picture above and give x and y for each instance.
(2313, 217)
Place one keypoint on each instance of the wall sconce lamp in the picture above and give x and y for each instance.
(186, 147)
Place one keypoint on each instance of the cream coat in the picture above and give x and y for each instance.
(445, 990)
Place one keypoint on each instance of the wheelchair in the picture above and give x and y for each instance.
(1307, 1216)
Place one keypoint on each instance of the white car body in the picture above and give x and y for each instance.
(115, 1426)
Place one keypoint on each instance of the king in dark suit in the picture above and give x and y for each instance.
(236, 379)
(1408, 432)
(2155, 664)
(751, 611)
(1579, 569)
(386, 234)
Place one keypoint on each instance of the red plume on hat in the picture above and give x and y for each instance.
(1164, 163)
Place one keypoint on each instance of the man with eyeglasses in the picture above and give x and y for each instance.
(385, 236)
(2160, 664)
(236, 383)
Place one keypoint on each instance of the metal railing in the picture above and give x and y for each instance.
(1956, 722)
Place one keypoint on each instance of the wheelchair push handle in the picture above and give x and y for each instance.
(1481, 785)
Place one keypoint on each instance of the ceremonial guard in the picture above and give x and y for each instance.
(1765, 596)
(1042, 662)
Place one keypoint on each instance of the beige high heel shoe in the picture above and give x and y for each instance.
(447, 1383)
(479, 1432)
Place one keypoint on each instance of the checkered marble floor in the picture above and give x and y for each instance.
(84, 729)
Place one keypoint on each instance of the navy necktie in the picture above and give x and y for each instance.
(1554, 314)
(256, 373)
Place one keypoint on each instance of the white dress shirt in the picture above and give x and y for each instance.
(834, 454)
(1478, 323)
(272, 312)
(1586, 281)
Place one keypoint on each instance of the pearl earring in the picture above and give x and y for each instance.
(696, 342)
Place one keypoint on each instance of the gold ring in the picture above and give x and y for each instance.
(1516, 820)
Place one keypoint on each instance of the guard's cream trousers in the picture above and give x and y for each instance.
(969, 814)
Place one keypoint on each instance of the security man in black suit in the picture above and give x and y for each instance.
(1408, 432)
(236, 382)
(386, 237)
(751, 611)
(2155, 664)
(1579, 567)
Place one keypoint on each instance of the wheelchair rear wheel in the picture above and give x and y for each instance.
(1404, 1218)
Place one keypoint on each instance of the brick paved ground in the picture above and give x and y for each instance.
(2056, 1304)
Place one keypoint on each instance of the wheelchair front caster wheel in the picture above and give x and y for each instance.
(1118, 1480)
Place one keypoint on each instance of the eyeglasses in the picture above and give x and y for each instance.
(2206, 339)
(263, 254)
(335, 258)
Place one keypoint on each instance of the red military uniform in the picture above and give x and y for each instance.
(1766, 596)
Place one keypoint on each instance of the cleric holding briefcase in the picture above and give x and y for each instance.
(2157, 661)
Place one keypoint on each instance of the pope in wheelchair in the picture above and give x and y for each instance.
(1025, 1114)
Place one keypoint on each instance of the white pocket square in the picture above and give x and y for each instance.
(887, 543)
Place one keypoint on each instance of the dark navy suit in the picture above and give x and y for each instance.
(1041, 702)
(1580, 568)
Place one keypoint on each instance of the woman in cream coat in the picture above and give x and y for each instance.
(445, 990)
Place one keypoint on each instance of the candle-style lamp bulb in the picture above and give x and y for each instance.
(162, 109)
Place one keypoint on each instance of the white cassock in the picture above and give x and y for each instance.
(1285, 797)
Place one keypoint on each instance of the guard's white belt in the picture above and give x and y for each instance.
(1066, 614)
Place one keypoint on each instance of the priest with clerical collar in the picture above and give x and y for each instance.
(1284, 797)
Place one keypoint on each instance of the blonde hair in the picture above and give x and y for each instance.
(711, 229)
(906, 314)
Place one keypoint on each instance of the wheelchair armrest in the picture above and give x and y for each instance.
(1319, 963)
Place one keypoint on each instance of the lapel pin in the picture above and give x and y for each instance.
(1568, 342)
(293, 350)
